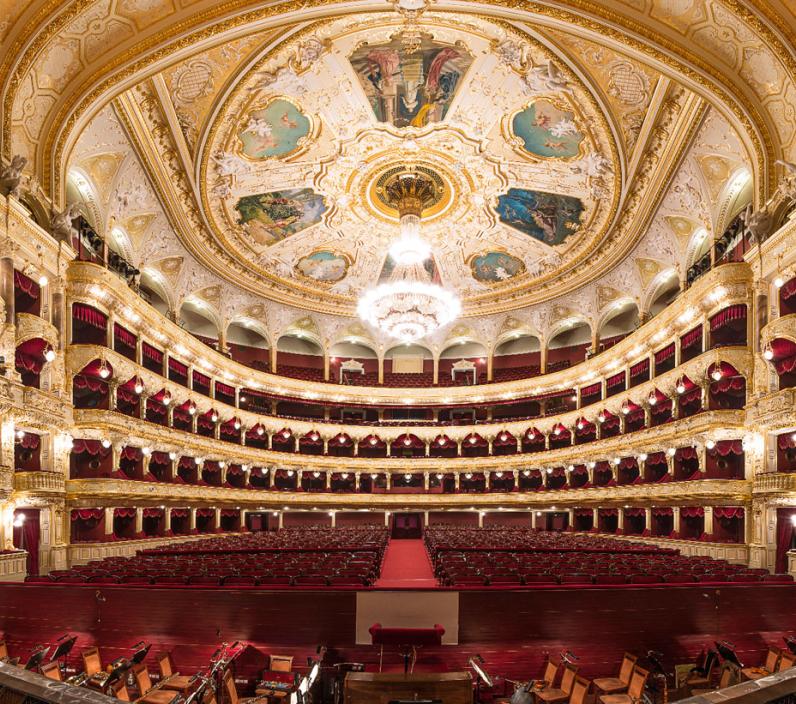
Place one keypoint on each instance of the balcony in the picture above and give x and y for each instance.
(40, 483)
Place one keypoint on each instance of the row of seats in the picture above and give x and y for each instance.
(311, 557)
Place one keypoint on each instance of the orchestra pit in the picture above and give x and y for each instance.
(397, 351)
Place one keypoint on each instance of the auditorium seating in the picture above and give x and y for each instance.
(469, 557)
(292, 557)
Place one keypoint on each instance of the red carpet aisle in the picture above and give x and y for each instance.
(406, 564)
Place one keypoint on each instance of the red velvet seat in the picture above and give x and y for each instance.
(71, 579)
(240, 580)
(103, 579)
(777, 578)
(645, 579)
(205, 579)
(610, 579)
(681, 578)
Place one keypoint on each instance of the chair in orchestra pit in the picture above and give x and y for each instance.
(728, 675)
(280, 669)
(120, 691)
(52, 670)
(147, 693)
(229, 694)
(702, 677)
(553, 695)
(92, 664)
(550, 674)
(770, 666)
(786, 661)
(634, 692)
(580, 691)
(169, 679)
(616, 685)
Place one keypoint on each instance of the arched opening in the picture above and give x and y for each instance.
(408, 366)
(665, 294)
(153, 293)
(299, 357)
(568, 345)
(196, 318)
(462, 364)
(352, 362)
(622, 319)
(518, 357)
(699, 261)
(248, 345)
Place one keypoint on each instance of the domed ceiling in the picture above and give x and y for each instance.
(570, 175)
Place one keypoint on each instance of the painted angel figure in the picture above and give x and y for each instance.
(228, 164)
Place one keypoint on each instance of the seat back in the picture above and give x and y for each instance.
(568, 678)
(626, 669)
(281, 663)
(165, 665)
(119, 689)
(550, 673)
(580, 689)
(772, 660)
(229, 688)
(637, 683)
(92, 663)
(51, 670)
(142, 678)
(786, 661)
(3, 650)
(727, 677)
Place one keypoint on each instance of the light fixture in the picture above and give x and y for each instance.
(671, 451)
(779, 282)
(191, 410)
(242, 399)
(439, 476)
(710, 444)
(19, 520)
(172, 456)
(680, 387)
(222, 464)
(625, 410)
(344, 475)
(526, 473)
(342, 440)
(653, 399)
(503, 437)
(198, 460)
(104, 372)
(557, 431)
(166, 399)
(373, 441)
(260, 430)
(146, 451)
(473, 440)
(468, 475)
(313, 436)
(138, 388)
(20, 434)
(441, 441)
(407, 442)
(49, 354)
(214, 417)
(643, 456)
(409, 306)
(374, 476)
(580, 425)
(106, 443)
(768, 353)
(290, 472)
(236, 424)
(601, 417)
(716, 374)
(316, 474)
(43, 280)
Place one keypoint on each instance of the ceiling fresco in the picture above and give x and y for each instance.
(565, 165)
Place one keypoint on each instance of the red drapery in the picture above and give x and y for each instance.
(87, 447)
(734, 384)
(727, 447)
(86, 514)
(785, 366)
(583, 512)
(785, 530)
(83, 381)
(628, 463)
(668, 351)
(204, 422)
(691, 338)
(786, 441)
(229, 512)
(123, 512)
(229, 390)
(151, 353)
(788, 290)
(591, 390)
(202, 379)
(178, 367)
(205, 512)
(728, 512)
(687, 453)
(124, 336)
(691, 397)
(615, 380)
(153, 513)
(127, 396)
(30, 441)
(641, 367)
(416, 442)
(180, 513)
(130, 453)
(692, 512)
(662, 512)
(27, 285)
(608, 512)
(90, 316)
(186, 462)
(727, 316)
(634, 512)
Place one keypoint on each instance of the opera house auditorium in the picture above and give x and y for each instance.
(397, 351)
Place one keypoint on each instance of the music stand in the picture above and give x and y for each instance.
(35, 658)
(790, 641)
(64, 647)
(140, 654)
(483, 676)
(727, 651)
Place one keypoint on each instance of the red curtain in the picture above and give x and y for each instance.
(788, 290)
(230, 391)
(130, 453)
(639, 368)
(692, 511)
(27, 285)
(615, 380)
(88, 447)
(590, 390)
(90, 316)
(785, 366)
(205, 512)
(202, 379)
(178, 367)
(30, 441)
(82, 381)
(691, 338)
(785, 530)
(607, 512)
(687, 453)
(180, 512)
(727, 447)
(634, 512)
(124, 336)
(151, 353)
(727, 316)
(127, 396)
(26, 537)
(153, 513)
(229, 512)
(728, 512)
(668, 351)
(662, 512)
(123, 512)
(86, 514)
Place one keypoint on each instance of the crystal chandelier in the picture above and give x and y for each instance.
(409, 305)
